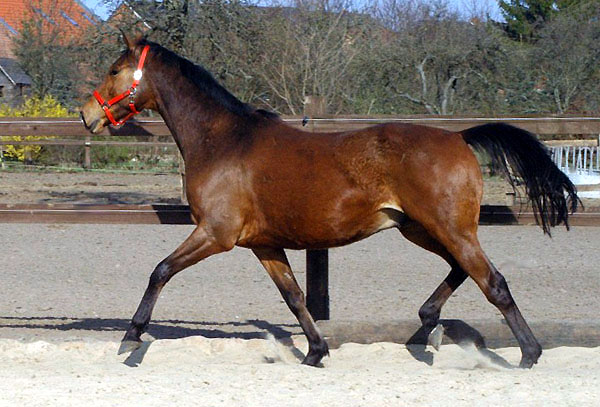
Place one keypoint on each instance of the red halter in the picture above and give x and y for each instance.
(137, 75)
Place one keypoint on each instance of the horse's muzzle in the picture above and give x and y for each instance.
(94, 126)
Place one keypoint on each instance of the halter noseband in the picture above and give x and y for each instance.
(106, 105)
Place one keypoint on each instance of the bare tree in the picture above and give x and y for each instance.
(311, 52)
(567, 57)
(435, 59)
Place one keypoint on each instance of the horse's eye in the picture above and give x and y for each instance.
(114, 72)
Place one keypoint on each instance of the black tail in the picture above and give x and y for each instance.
(551, 192)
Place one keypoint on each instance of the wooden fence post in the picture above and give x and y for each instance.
(87, 156)
(317, 283)
(317, 261)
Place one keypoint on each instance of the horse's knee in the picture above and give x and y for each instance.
(161, 274)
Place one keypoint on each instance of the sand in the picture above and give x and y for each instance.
(262, 372)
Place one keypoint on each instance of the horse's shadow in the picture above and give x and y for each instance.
(159, 329)
(458, 332)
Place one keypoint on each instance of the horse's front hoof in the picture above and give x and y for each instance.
(315, 354)
(129, 346)
(313, 360)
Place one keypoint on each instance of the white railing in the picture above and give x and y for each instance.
(584, 160)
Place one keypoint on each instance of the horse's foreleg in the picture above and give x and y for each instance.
(196, 247)
(429, 313)
(276, 263)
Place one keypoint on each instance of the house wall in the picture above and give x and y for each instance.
(14, 95)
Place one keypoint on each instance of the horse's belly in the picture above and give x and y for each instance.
(321, 231)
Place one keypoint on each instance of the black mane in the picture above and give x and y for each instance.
(206, 82)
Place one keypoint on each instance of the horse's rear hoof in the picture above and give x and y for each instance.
(527, 362)
(129, 346)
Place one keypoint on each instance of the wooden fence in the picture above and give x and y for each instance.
(71, 132)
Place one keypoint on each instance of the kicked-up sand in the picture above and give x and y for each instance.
(197, 371)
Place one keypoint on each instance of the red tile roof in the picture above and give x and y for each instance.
(6, 43)
(69, 16)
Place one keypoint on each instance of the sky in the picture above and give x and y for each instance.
(98, 7)
(102, 10)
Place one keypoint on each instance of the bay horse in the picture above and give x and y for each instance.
(255, 182)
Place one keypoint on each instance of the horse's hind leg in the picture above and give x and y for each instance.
(429, 313)
(276, 263)
(196, 247)
(466, 250)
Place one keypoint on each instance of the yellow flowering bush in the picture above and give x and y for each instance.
(33, 107)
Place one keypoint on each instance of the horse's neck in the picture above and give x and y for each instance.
(201, 127)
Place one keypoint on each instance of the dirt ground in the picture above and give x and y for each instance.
(89, 187)
(85, 281)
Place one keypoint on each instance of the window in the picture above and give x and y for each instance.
(1, 92)
(69, 19)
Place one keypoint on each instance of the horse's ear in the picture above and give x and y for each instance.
(129, 43)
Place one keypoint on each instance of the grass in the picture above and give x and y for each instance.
(125, 168)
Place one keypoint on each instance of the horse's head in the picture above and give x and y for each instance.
(124, 92)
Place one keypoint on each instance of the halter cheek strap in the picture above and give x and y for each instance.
(106, 105)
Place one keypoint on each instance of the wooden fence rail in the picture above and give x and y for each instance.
(168, 214)
(587, 125)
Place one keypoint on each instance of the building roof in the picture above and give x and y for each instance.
(11, 71)
(12, 74)
(71, 14)
(71, 17)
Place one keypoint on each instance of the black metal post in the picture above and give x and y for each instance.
(317, 283)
